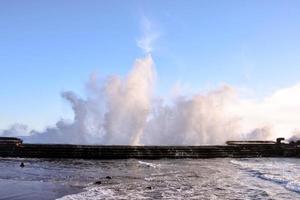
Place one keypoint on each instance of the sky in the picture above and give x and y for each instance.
(47, 47)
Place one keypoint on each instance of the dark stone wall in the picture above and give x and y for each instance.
(148, 152)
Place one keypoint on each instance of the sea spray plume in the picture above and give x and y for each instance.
(279, 112)
(80, 109)
(295, 137)
(129, 103)
(263, 133)
(15, 130)
(200, 119)
(115, 112)
(122, 111)
(88, 117)
(150, 35)
(80, 131)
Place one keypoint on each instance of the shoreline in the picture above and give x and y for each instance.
(28, 190)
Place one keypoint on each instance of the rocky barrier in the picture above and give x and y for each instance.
(236, 150)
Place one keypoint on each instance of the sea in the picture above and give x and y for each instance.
(220, 178)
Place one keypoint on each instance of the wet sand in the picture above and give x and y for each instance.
(223, 178)
(29, 190)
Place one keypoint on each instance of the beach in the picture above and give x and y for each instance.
(220, 178)
(28, 190)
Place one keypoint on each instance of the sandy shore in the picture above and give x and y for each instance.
(28, 190)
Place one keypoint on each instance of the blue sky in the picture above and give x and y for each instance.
(47, 47)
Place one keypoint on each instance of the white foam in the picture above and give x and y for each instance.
(273, 178)
(293, 186)
(148, 164)
(103, 192)
(281, 173)
(91, 193)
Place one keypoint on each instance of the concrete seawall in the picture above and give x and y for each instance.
(147, 152)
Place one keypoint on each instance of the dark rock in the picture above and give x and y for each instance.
(149, 187)
(22, 165)
(97, 183)
(108, 177)
(278, 140)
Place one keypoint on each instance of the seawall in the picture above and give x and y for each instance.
(147, 152)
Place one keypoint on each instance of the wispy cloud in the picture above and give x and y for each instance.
(150, 34)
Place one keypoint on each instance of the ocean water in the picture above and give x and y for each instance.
(220, 178)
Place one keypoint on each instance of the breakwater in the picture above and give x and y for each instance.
(235, 150)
